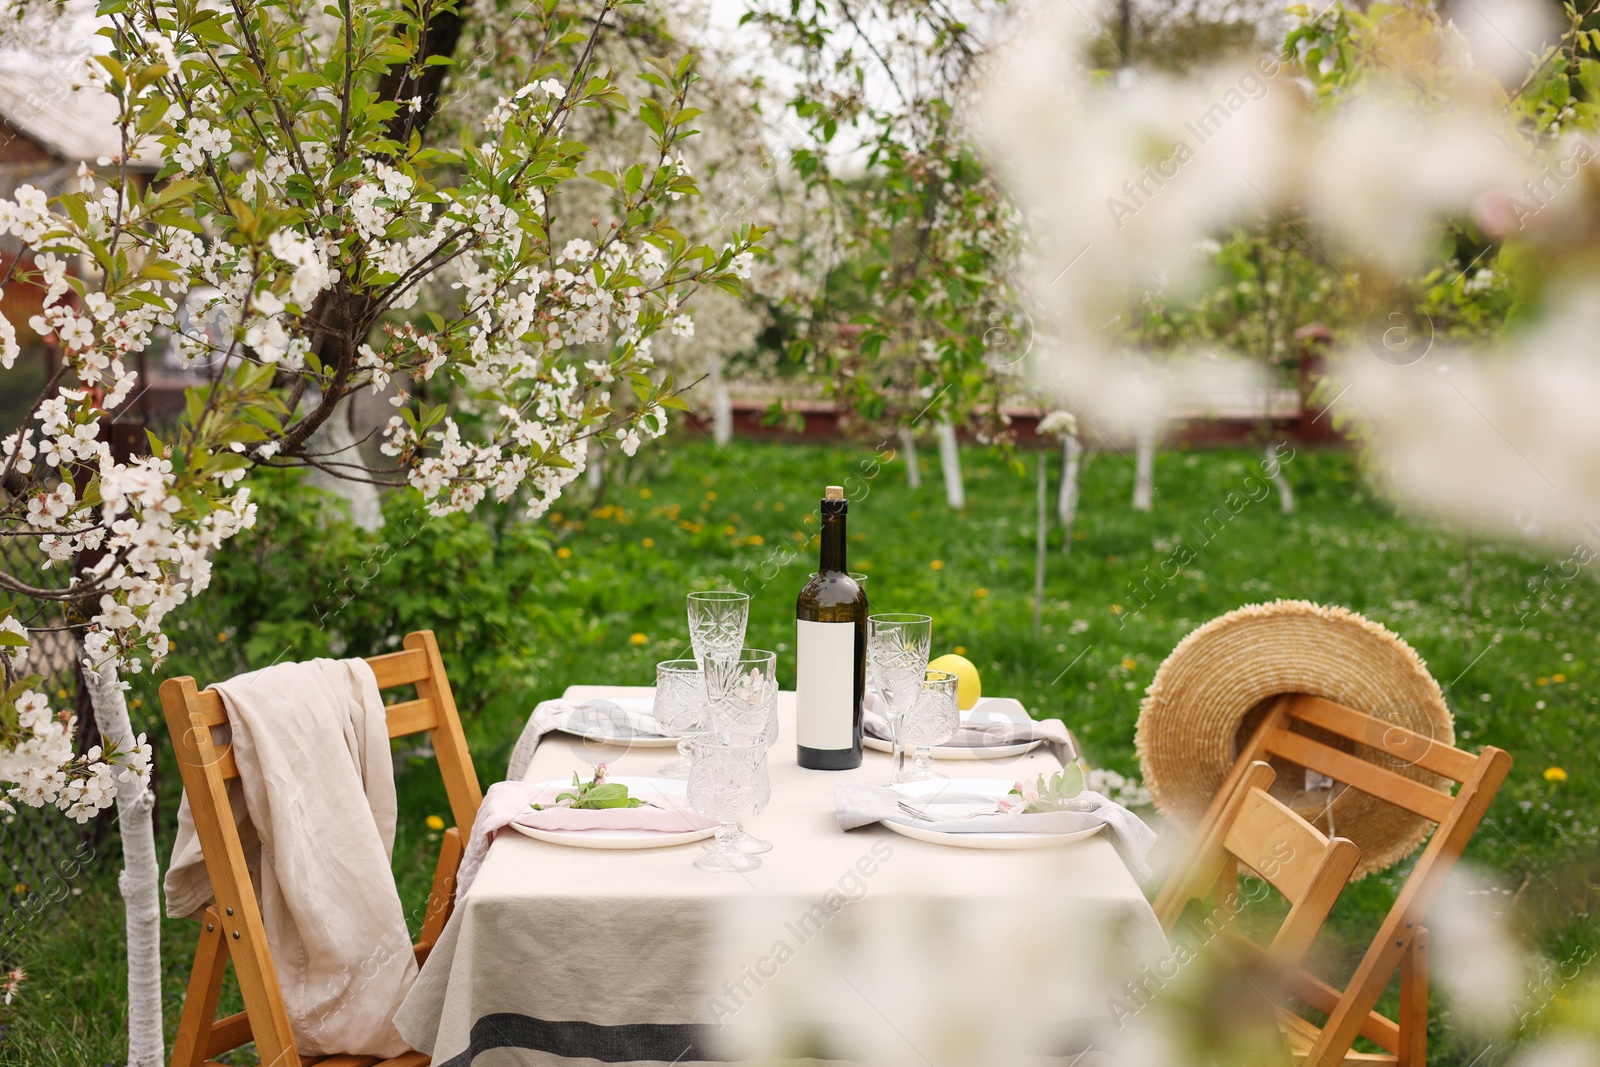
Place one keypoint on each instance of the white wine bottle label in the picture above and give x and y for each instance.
(825, 673)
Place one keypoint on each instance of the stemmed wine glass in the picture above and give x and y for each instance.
(723, 782)
(897, 663)
(717, 621)
(680, 706)
(933, 720)
(749, 713)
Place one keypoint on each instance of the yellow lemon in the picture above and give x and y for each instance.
(968, 687)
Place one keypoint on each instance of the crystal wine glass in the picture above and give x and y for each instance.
(933, 720)
(897, 663)
(717, 621)
(724, 778)
(749, 713)
(680, 706)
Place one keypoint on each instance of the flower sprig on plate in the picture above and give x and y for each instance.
(1056, 794)
(594, 794)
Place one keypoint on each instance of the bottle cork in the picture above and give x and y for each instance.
(834, 492)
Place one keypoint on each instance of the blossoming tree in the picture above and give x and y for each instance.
(307, 212)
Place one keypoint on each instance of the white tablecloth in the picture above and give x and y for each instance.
(561, 955)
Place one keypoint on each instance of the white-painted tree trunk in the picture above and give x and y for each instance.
(140, 879)
(333, 443)
(1067, 498)
(1274, 471)
(1041, 535)
(908, 449)
(950, 459)
(1144, 475)
(594, 470)
(721, 405)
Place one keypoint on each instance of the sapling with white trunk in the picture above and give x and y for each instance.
(955, 492)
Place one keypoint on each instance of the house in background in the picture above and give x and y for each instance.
(50, 123)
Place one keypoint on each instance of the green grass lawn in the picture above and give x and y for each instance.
(1517, 666)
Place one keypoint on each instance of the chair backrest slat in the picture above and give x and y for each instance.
(206, 763)
(412, 717)
(1381, 782)
(1403, 744)
(400, 668)
(1271, 840)
(1265, 835)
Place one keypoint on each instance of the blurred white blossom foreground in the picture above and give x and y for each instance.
(1369, 159)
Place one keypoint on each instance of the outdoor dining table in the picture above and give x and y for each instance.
(560, 954)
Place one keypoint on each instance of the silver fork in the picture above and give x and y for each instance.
(920, 813)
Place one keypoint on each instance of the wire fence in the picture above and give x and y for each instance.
(42, 853)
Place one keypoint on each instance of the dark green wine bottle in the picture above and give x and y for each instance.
(830, 652)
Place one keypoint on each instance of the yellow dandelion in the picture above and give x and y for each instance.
(1128, 664)
(1558, 678)
(711, 494)
(637, 639)
(1554, 774)
(1542, 681)
(644, 494)
(755, 539)
(961, 650)
(980, 592)
(563, 552)
(648, 542)
(223, 637)
(730, 530)
(937, 565)
(1116, 609)
(777, 505)
(434, 823)
(798, 535)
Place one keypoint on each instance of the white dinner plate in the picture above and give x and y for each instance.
(995, 787)
(643, 788)
(988, 709)
(601, 721)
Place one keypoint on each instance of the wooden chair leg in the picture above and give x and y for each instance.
(442, 897)
(1413, 1050)
(190, 1046)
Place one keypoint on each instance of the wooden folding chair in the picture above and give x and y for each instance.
(1256, 829)
(1402, 940)
(232, 928)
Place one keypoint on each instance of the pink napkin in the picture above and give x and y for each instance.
(509, 802)
(674, 815)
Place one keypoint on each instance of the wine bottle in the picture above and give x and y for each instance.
(831, 652)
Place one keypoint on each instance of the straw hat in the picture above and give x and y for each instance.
(1209, 695)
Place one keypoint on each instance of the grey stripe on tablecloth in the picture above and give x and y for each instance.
(636, 1042)
(663, 1043)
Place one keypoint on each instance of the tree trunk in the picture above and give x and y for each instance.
(1274, 471)
(1067, 499)
(335, 442)
(908, 448)
(1144, 481)
(721, 405)
(140, 878)
(1041, 536)
(950, 459)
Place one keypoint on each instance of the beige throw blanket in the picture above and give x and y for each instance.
(315, 800)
